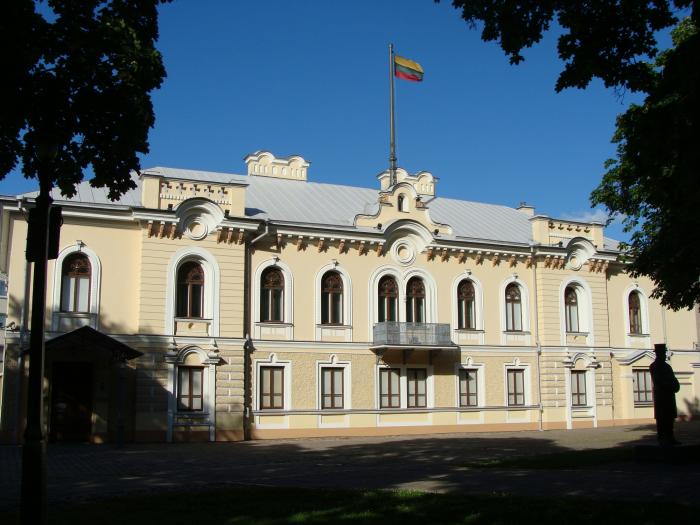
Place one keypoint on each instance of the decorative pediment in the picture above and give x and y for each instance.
(162, 193)
(633, 357)
(423, 182)
(401, 202)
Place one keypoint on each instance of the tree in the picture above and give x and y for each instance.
(653, 183)
(77, 81)
(75, 93)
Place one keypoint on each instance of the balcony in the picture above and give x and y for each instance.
(413, 335)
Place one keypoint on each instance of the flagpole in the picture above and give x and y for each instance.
(392, 131)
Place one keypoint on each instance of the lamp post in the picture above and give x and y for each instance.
(33, 496)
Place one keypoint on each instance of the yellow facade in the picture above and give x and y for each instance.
(226, 355)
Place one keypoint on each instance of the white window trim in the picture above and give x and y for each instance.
(287, 298)
(373, 295)
(403, 386)
(585, 309)
(430, 294)
(480, 368)
(527, 383)
(333, 362)
(175, 361)
(347, 302)
(591, 403)
(212, 282)
(525, 310)
(634, 340)
(273, 361)
(478, 304)
(95, 286)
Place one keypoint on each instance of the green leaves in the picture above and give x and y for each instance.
(82, 82)
(654, 182)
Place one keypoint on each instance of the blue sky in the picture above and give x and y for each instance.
(311, 78)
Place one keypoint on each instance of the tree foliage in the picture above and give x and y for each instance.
(653, 183)
(77, 77)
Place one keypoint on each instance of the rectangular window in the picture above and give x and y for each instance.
(75, 294)
(516, 387)
(641, 381)
(572, 318)
(387, 309)
(514, 317)
(389, 379)
(332, 387)
(190, 388)
(271, 387)
(467, 388)
(466, 315)
(578, 388)
(416, 381)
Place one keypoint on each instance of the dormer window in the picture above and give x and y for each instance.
(402, 203)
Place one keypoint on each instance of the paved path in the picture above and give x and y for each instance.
(437, 463)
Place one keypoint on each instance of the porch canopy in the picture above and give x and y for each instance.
(87, 338)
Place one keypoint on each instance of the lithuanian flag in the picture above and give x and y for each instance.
(407, 69)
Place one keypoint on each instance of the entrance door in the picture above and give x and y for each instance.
(71, 402)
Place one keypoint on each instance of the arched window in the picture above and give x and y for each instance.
(514, 316)
(402, 203)
(331, 298)
(466, 305)
(415, 300)
(635, 313)
(271, 295)
(571, 309)
(388, 299)
(190, 290)
(75, 284)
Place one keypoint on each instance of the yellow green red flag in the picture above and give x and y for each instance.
(407, 69)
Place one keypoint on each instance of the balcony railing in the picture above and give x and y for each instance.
(416, 334)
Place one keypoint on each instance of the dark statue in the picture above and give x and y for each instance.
(665, 386)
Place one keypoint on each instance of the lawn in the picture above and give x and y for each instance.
(259, 505)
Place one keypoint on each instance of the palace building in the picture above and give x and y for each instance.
(211, 306)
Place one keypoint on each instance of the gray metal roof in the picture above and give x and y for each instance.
(315, 203)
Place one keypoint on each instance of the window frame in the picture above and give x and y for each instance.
(267, 296)
(388, 371)
(415, 300)
(190, 396)
(466, 302)
(387, 301)
(579, 388)
(465, 371)
(194, 266)
(333, 395)
(571, 306)
(68, 273)
(263, 368)
(414, 396)
(637, 393)
(328, 299)
(510, 303)
(515, 371)
(635, 325)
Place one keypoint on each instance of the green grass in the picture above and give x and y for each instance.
(562, 460)
(267, 506)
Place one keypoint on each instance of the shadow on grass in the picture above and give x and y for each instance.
(264, 506)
